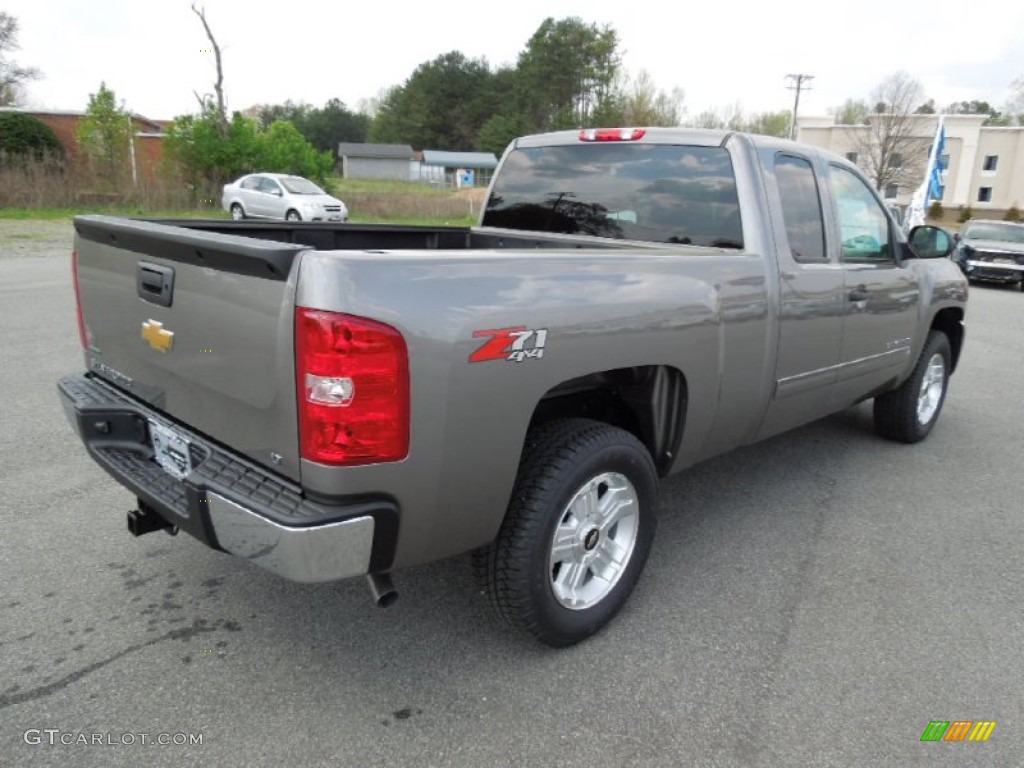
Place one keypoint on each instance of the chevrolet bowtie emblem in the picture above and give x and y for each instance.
(158, 338)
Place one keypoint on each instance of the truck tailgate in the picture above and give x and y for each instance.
(198, 325)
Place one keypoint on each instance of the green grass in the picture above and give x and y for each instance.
(405, 202)
(56, 214)
(36, 214)
(339, 186)
(66, 214)
(368, 201)
(465, 221)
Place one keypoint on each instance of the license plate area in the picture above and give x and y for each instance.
(170, 450)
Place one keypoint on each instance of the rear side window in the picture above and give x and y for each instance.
(655, 192)
(801, 208)
(252, 182)
(268, 185)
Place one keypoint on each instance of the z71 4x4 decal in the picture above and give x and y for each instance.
(510, 344)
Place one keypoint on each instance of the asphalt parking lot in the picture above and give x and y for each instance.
(814, 600)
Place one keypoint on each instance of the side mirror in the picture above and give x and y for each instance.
(276, 192)
(931, 242)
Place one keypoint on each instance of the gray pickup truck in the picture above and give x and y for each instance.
(329, 400)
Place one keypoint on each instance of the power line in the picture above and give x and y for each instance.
(798, 83)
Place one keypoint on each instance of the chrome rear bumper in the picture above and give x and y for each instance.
(227, 501)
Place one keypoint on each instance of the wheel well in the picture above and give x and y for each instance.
(950, 322)
(649, 401)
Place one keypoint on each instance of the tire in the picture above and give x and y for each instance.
(564, 596)
(292, 215)
(237, 212)
(907, 414)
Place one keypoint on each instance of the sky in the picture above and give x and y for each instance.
(155, 56)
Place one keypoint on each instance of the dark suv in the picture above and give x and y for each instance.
(991, 250)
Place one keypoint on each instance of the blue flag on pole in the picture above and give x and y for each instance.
(931, 186)
(935, 166)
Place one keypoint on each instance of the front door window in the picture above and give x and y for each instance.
(864, 233)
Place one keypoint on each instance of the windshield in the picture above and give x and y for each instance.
(654, 192)
(1008, 233)
(299, 186)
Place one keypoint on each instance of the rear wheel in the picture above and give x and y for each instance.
(908, 414)
(237, 212)
(577, 532)
(292, 215)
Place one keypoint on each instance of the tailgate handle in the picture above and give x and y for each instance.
(155, 283)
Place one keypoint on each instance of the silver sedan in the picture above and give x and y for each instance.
(280, 196)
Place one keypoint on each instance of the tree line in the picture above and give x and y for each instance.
(569, 74)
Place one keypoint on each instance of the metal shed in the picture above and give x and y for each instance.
(376, 161)
(459, 169)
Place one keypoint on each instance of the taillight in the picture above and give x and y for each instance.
(352, 378)
(83, 331)
(612, 134)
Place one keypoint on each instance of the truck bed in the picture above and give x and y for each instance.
(373, 237)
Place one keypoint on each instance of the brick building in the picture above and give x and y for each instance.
(148, 137)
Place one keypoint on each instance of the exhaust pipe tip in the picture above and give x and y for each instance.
(382, 589)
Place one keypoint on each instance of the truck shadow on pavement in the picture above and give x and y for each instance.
(442, 614)
(714, 521)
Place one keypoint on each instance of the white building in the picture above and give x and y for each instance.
(983, 167)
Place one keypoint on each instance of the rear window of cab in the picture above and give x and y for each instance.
(652, 192)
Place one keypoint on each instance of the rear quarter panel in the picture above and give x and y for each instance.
(601, 310)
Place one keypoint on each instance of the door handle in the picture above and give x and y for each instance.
(860, 293)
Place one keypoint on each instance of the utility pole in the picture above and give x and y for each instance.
(797, 83)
